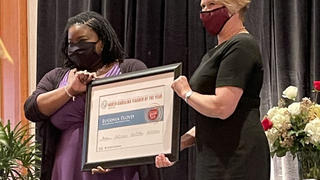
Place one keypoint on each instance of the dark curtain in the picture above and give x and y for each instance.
(166, 31)
(288, 32)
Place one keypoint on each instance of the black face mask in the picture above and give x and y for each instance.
(84, 56)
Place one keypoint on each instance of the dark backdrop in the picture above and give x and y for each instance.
(164, 31)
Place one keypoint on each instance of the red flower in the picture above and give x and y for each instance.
(316, 85)
(266, 123)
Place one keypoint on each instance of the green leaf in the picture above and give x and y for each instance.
(15, 146)
(281, 152)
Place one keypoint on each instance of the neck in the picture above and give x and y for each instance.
(233, 26)
(96, 65)
(104, 69)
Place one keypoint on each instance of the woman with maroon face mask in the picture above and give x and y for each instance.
(224, 90)
(90, 49)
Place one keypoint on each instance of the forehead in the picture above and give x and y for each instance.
(207, 1)
(204, 2)
(78, 30)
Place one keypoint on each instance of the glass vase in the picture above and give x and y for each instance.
(309, 164)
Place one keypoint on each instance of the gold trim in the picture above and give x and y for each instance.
(4, 53)
(1, 86)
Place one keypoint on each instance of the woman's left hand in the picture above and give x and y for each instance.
(100, 170)
(162, 161)
(181, 86)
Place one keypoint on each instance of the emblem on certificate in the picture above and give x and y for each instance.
(131, 118)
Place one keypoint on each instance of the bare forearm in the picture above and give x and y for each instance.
(50, 102)
(188, 139)
(208, 105)
(221, 105)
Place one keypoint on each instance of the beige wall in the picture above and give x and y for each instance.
(14, 75)
(32, 43)
(32, 48)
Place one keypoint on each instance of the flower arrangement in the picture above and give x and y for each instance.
(294, 126)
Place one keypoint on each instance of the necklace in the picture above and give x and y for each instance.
(241, 30)
(104, 69)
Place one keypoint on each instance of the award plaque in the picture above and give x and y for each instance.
(131, 118)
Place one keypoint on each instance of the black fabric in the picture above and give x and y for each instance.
(166, 31)
(289, 34)
(225, 147)
(241, 65)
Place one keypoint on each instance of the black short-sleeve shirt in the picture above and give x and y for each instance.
(236, 62)
(224, 146)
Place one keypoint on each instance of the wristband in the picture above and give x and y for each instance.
(67, 92)
(187, 95)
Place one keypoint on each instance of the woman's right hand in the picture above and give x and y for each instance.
(162, 161)
(77, 82)
(51, 101)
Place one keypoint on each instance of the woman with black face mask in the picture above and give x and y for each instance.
(224, 90)
(90, 50)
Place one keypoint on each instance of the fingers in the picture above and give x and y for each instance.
(180, 85)
(92, 76)
(85, 77)
(94, 171)
(100, 169)
(158, 161)
(180, 82)
(79, 81)
(162, 161)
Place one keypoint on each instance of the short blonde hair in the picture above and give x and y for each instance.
(235, 6)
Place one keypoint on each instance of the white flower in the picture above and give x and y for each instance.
(313, 131)
(272, 112)
(280, 117)
(281, 121)
(290, 93)
(276, 111)
(306, 100)
(317, 106)
(272, 135)
(294, 108)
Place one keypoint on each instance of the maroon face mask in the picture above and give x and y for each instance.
(214, 20)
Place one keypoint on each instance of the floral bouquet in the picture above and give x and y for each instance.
(294, 126)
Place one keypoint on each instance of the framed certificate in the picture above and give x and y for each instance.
(131, 118)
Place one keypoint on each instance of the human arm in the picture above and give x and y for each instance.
(221, 105)
(51, 101)
(47, 84)
(238, 66)
(187, 140)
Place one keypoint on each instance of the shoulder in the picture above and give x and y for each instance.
(243, 40)
(56, 72)
(129, 65)
(53, 77)
(243, 46)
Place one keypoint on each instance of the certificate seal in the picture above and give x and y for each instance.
(104, 104)
(154, 114)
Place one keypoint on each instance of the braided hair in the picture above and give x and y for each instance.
(112, 49)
